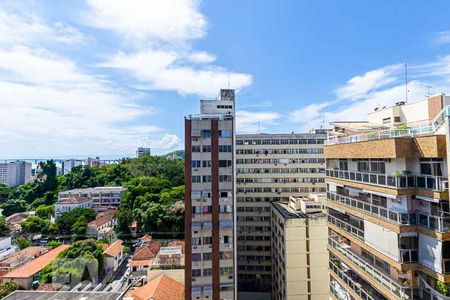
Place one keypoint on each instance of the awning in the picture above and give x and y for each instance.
(429, 199)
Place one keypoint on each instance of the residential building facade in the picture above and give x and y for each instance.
(102, 197)
(270, 167)
(299, 248)
(68, 164)
(388, 203)
(210, 200)
(142, 151)
(15, 173)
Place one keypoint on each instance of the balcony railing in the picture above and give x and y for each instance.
(427, 291)
(399, 218)
(388, 283)
(440, 222)
(355, 286)
(409, 255)
(399, 182)
(381, 135)
(346, 227)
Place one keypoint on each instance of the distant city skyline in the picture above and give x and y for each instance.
(103, 78)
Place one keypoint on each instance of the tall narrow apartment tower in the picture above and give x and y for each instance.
(210, 200)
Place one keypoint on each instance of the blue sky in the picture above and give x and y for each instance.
(102, 77)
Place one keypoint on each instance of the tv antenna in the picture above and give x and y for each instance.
(428, 87)
(406, 81)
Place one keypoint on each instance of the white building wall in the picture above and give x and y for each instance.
(382, 239)
(430, 252)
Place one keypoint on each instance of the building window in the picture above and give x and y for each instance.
(207, 148)
(196, 273)
(195, 149)
(206, 178)
(225, 133)
(431, 166)
(196, 179)
(196, 164)
(224, 163)
(206, 134)
(207, 272)
(224, 148)
(386, 120)
(206, 164)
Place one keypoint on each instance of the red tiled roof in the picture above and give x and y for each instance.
(138, 263)
(24, 254)
(160, 288)
(114, 249)
(146, 238)
(177, 243)
(50, 287)
(147, 251)
(37, 264)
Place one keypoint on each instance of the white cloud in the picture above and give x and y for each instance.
(160, 35)
(202, 57)
(147, 21)
(55, 108)
(252, 122)
(28, 28)
(358, 86)
(159, 69)
(442, 37)
(310, 114)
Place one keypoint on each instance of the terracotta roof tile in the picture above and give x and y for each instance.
(147, 251)
(177, 243)
(160, 288)
(37, 264)
(139, 263)
(24, 254)
(50, 287)
(114, 249)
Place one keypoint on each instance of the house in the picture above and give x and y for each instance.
(13, 221)
(102, 197)
(103, 225)
(69, 204)
(143, 256)
(114, 256)
(6, 248)
(19, 258)
(62, 295)
(29, 272)
(161, 288)
(170, 262)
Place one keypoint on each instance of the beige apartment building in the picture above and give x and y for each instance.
(270, 167)
(388, 203)
(299, 249)
(210, 200)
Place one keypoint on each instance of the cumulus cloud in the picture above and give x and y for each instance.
(149, 21)
(160, 35)
(442, 37)
(251, 122)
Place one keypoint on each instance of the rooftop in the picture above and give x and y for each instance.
(160, 288)
(37, 264)
(287, 212)
(73, 200)
(95, 189)
(23, 255)
(47, 295)
(114, 249)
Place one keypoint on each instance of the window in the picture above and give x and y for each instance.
(207, 272)
(226, 271)
(206, 148)
(206, 178)
(378, 167)
(224, 178)
(195, 149)
(363, 166)
(196, 273)
(207, 256)
(224, 163)
(224, 148)
(343, 165)
(387, 120)
(225, 133)
(196, 164)
(206, 164)
(431, 166)
(196, 179)
(196, 256)
(206, 134)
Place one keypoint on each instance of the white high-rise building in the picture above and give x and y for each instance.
(15, 173)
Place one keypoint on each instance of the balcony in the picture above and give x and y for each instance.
(346, 226)
(435, 183)
(429, 290)
(353, 281)
(400, 288)
(381, 135)
(395, 217)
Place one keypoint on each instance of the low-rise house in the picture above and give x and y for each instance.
(6, 248)
(69, 204)
(160, 288)
(114, 256)
(22, 257)
(29, 272)
(102, 197)
(13, 221)
(62, 295)
(170, 262)
(144, 255)
(103, 225)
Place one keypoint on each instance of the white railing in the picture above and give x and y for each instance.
(383, 279)
(346, 227)
(429, 292)
(381, 135)
(399, 182)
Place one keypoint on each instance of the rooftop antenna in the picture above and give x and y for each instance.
(428, 87)
(406, 81)
(228, 80)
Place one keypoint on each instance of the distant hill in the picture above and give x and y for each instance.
(174, 154)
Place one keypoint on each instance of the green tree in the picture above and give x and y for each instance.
(7, 288)
(54, 244)
(45, 211)
(22, 242)
(75, 221)
(4, 229)
(33, 224)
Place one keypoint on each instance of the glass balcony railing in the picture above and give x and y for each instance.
(353, 230)
(399, 218)
(401, 289)
(362, 289)
(429, 290)
(381, 135)
(399, 182)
